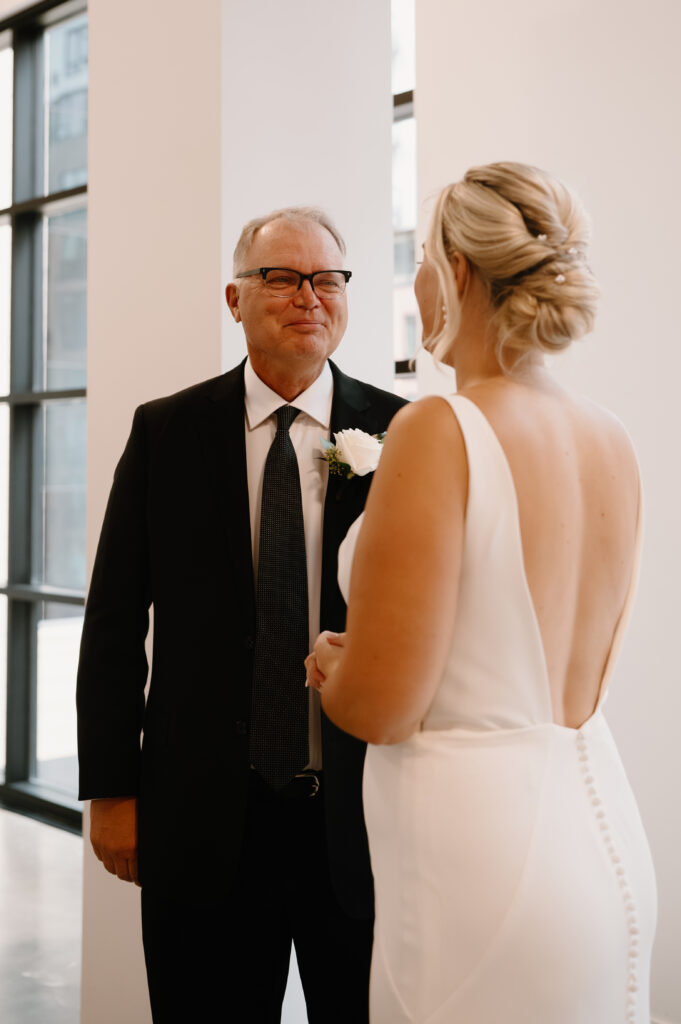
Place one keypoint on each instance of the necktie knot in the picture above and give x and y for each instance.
(285, 417)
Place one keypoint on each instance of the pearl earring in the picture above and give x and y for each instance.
(444, 313)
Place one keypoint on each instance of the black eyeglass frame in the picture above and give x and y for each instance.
(263, 271)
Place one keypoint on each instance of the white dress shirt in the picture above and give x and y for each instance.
(312, 423)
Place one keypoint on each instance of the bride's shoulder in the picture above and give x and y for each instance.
(424, 413)
(424, 421)
(420, 436)
(604, 429)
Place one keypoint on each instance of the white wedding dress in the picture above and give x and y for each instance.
(514, 884)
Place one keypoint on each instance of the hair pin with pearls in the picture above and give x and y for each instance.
(541, 238)
(560, 278)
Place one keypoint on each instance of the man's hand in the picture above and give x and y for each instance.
(113, 834)
(323, 658)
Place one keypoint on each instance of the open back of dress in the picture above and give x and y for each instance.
(513, 876)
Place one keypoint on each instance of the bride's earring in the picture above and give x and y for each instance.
(444, 312)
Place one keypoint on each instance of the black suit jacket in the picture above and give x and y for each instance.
(176, 536)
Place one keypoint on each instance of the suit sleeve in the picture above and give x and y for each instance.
(113, 667)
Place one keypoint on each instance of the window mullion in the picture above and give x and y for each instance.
(20, 667)
(21, 473)
(20, 613)
(27, 300)
(28, 148)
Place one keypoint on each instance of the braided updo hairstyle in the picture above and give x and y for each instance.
(526, 236)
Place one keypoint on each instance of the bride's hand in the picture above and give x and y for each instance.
(323, 658)
(314, 678)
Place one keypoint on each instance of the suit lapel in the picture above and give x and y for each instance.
(222, 432)
(350, 408)
(344, 498)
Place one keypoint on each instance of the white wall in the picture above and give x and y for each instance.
(307, 116)
(591, 92)
(10, 7)
(154, 309)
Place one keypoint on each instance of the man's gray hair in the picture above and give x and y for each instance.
(291, 213)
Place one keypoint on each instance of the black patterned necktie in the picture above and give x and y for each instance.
(279, 699)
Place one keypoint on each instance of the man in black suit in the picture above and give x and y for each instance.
(241, 820)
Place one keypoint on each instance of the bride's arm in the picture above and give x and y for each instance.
(405, 580)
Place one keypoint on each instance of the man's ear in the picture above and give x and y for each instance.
(232, 296)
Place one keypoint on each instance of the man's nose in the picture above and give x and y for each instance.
(306, 296)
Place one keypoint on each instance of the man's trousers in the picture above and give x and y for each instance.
(227, 963)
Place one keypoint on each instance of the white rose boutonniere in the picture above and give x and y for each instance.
(355, 453)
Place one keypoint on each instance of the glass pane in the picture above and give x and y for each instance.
(65, 342)
(6, 105)
(3, 682)
(404, 52)
(66, 78)
(406, 323)
(5, 301)
(404, 256)
(404, 175)
(5, 304)
(59, 629)
(4, 489)
(63, 495)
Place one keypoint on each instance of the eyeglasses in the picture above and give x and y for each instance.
(330, 284)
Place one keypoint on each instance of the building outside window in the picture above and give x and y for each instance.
(43, 344)
(405, 310)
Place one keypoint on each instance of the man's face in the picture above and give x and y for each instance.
(295, 333)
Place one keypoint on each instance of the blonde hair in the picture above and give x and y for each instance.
(526, 236)
(293, 214)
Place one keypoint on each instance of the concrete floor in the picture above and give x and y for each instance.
(40, 922)
(40, 926)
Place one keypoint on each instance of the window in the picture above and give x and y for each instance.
(43, 303)
(405, 311)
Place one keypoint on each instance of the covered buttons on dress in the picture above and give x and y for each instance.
(619, 871)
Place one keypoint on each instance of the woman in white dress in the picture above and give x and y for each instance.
(491, 583)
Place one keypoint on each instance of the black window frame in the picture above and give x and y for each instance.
(25, 32)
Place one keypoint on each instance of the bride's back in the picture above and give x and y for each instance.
(505, 279)
(576, 481)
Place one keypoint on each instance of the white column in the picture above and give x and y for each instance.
(154, 308)
(591, 92)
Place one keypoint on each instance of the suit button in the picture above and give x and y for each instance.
(249, 642)
(240, 728)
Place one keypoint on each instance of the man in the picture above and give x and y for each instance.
(244, 801)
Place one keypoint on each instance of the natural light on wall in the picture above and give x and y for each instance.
(6, 105)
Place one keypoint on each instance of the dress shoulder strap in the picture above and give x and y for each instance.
(491, 487)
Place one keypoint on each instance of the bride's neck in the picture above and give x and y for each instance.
(476, 362)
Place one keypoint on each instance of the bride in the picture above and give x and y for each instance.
(492, 576)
